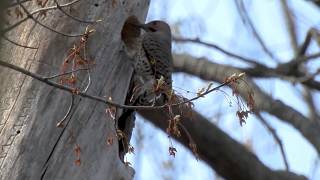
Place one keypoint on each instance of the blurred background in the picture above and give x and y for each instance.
(269, 32)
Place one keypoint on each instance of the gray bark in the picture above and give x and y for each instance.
(32, 147)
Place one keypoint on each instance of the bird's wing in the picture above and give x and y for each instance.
(159, 57)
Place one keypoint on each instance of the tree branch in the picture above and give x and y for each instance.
(17, 44)
(290, 26)
(276, 138)
(16, 3)
(207, 70)
(246, 19)
(75, 91)
(214, 46)
(72, 17)
(7, 29)
(29, 15)
(229, 158)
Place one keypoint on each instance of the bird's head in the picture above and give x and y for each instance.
(157, 27)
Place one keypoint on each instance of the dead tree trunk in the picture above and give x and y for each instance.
(32, 147)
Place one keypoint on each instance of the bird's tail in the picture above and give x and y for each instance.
(125, 125)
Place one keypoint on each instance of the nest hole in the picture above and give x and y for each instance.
(130, 32)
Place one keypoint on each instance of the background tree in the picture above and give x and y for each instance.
(77, 68)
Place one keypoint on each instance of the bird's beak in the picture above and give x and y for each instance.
(143, 26)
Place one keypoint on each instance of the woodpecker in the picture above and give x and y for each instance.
(151, 83)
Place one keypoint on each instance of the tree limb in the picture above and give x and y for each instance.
(229, 158)
(207, 70)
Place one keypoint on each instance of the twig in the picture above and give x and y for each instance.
(17, 3)
(72, 17)
(245, 18)
(35, 12)
(60, 123)
(276, 138)
(305, 44)
(192, 143)
(200, 95)
(290, 26)
(100, 99)
(69, 72)
(45, 26)
(298, 60)
(198, 41)
(17, 44)
(89, 81)
(311, 33)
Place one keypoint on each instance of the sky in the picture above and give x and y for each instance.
(217, 21)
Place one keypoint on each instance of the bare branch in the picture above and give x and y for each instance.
(65, 88)
(29, 15)
(246, 19)
(287, 71)
(290, 26)
(237, 164)
(72, 17)
(17, 44)
(275, 137)
(305, 44)
(16, 3)
(60, 123)
(35, 12)
(66, 73)
(210, 45)
(208, 70)
(311, 33)
(100, 99)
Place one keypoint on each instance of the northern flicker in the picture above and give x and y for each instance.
(154, 64)
(153, 67)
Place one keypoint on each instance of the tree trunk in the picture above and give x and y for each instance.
(32, 147)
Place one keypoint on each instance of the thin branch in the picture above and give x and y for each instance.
(59, 86)
(72, 17)
(17, 44)
(208, 70)
(246, 19)
(45, 26)
(60, 123)
(305, 44)
(285, 72)
(35, 12)
(210, 45)
(309, 99)
(311, 33)
(89, 81)
(291, 67)
(300, 59)
(290, 26)
(200, 95)
(17, 3)
(66, 73)
(100, 99)
(276, 138)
